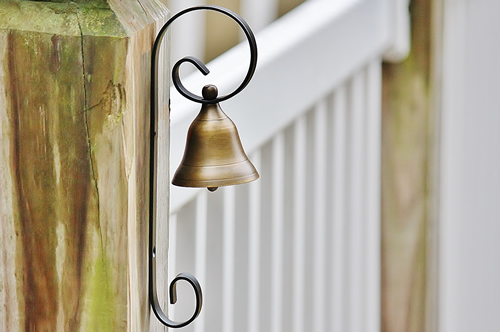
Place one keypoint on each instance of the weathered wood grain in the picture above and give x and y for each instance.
(406, 180)
(74, 101)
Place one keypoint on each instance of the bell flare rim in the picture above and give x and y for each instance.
(193, 183)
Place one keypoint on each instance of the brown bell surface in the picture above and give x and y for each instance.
(214, 156)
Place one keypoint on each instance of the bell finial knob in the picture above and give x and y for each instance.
(209, 92)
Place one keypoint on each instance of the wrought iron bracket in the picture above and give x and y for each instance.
(153, 294)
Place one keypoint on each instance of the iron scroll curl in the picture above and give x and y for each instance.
(199, 64)
(162, 317)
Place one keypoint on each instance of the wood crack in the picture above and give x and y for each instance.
(87, 129)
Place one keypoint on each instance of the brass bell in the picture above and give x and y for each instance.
(213, 156)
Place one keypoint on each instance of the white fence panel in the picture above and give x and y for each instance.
(298, 249)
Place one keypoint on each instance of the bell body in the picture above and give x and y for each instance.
(213, 156)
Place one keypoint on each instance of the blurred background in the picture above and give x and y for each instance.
(395, 224)
(219, 33)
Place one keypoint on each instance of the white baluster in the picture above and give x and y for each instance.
(278, 171)
(229, 248)
(299, 213)
(319, 215)
(201, 250)
(339, 187)
(187, 33)
(356, 202)
(259, 13)
(172, 255)
(254, 250)
(373, 199)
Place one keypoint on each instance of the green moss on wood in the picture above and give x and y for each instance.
(71, 18)
(89, 3)
(101, 300)
(100, 22)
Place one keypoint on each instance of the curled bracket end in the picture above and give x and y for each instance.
(173, 299)
(203, 69)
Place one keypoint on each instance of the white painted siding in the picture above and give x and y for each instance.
(469, 296)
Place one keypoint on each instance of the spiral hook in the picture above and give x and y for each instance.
(200, 65)
(173, 299)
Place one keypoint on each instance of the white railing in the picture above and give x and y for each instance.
(298, 249)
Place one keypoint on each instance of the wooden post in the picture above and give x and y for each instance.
(407, 180)
(74, 101)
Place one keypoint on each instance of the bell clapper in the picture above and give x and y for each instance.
(212, 189)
